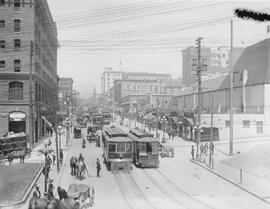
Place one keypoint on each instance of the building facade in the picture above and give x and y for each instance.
(107, 79)
(251, 96)
(28, 49)
(189, 58)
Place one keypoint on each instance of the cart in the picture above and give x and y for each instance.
(81, 194)
(167, 151)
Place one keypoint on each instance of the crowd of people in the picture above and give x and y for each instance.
(204, 150)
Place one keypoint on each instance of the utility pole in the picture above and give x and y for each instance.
(211, 131)
(231, 90)
(199, 75)
(31, 118)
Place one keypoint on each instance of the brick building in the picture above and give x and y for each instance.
(28, 40)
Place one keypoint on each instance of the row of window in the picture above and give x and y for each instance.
(17, 3)
(16, 24)
(17, 44)
(17, 65)
(246, 123)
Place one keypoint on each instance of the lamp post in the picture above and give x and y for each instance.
(197, 129)
(59, 128)
(67, 122)
(45, 151)
(163, 120)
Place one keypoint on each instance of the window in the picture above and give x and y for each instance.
(227, 123)
(246, 123)
(142, 149)
(2, 64)
(2, 44)
(155, 148)
(17, 25)
(17, 65)
(2, 3)
(17, 4)
(15, 90)
(121, 147)
(259, 127)
(2, 23)
(17, 44)
(112, 147)
(128, 147)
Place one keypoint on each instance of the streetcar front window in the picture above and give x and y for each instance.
(155, 147)
(128, 147)
(142, 149)
(148, 147)
(121, 147)
(112, 147)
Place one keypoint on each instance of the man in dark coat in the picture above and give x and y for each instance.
(98, 167)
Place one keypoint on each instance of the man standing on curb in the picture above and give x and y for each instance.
(98, 167)
(192, 152)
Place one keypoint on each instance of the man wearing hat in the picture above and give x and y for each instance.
(37, 192)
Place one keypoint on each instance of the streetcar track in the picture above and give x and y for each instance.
(120, 186)
(169, 181)
(135, 186)
(158, 186)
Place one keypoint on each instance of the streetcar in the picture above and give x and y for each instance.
(97, 119)
(117, 148)
(146, 148)
(106, 118)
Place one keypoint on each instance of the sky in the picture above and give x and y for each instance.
(143, 35)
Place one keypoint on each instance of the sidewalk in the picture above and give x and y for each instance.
(37, 157)
(256, 186)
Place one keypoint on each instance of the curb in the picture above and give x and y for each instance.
(235, 184)
(27, 191)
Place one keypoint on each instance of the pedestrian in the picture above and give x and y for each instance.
(212, 148)
(37, 192)
(98, 167)
(54, 158)
(71, 163)
(61, 156)
(50, 190)
(206, 148)
(10, 159)
(192, 152)
(92, 196)
(201, 148)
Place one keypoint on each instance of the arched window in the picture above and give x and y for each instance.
(15, 90)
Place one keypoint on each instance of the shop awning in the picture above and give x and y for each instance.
(46, 121)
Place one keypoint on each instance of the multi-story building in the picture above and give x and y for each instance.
(65, 90)
(28, 43)
(251, 96)
(107, 79)
(189, 58)
(216, 61)
(109, 76)
(127, 90)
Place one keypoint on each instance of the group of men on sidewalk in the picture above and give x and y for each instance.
(205, 149)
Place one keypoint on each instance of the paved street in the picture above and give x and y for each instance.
(177, 183)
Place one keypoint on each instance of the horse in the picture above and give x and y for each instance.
(80, 168)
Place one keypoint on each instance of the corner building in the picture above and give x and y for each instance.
(28, 39)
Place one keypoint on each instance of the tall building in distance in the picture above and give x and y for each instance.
(189, 57)
(107, 79)
(28, 40)
(216, 60)
(65, 92)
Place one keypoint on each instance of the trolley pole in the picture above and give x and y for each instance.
(31, 117)
(211, 132)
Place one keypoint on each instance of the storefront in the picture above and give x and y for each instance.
(17, 122)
